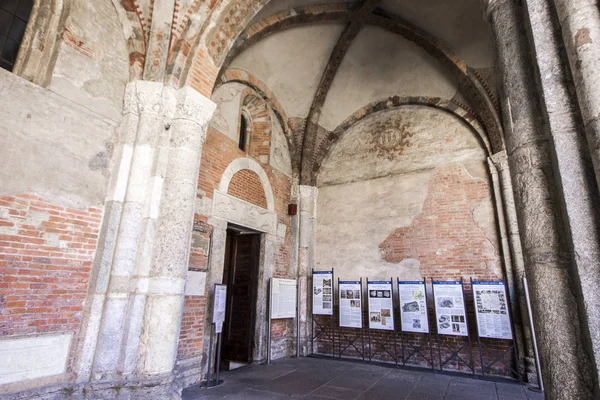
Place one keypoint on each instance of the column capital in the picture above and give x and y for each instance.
(500, 160)
(193, 106)
(143, 97)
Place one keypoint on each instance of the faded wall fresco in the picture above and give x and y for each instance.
(406, 193)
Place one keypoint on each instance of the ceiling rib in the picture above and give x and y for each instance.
(355, 24)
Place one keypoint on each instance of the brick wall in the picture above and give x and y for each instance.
(444, 237)
(217, 153)
(449, 244)
(46, 254)
(246, 185)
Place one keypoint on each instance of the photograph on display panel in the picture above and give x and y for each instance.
(381, 305)
(350, 304)
(491, 310)
(322, 293)
(450, 312)
(413, 306)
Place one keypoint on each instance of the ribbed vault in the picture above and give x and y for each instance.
(311, 143)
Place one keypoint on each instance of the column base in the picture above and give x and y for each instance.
(165, 387)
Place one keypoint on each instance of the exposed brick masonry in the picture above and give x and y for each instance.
(46, 254)
(246, 185)
(444, 237)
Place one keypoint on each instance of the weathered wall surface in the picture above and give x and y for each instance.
(406, 194)
(56, 148)
(92, 67)
(420, 208)
(52, 146)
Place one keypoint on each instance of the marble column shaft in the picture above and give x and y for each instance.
(132, 324)
(580, 22)
(565, 363)
(573, 167)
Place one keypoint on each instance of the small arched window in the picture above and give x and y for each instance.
(243, 133)
(14, 15)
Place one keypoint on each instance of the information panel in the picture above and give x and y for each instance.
(322, 292)
(491, 309)
(381, 305)
(350, 304)
(283, 298)
(219, 305)
(413, 306)
(450, 311)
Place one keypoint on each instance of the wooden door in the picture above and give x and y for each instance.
(241, 278)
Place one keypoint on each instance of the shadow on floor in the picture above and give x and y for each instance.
(314, 378)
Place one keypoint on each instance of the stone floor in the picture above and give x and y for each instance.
(313, 378)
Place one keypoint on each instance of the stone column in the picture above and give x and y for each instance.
(565, 363)
(580, 21)
(143, 99)
(517, 266)
(572, 164)
(139, 272)
(307, 248)
(174, 208)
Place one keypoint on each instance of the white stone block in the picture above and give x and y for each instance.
(195, 284)
(33, 357)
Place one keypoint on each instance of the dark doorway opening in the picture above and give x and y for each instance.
(242, 256)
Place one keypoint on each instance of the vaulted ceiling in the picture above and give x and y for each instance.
(325, 61)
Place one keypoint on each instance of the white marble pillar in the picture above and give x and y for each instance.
(131, 325)
(174, 194)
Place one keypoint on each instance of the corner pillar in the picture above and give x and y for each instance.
(307, 250)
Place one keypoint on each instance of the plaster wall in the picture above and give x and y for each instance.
(381, 64)
(52, 146)
(291, 63)
(92, 67)
(458, 22)
(367, 193)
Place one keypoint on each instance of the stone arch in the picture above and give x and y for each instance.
(240, 164)
(39, 48)
(211, 54)
(259, 88)
(136, 33)
(457, 110)
(256, 112)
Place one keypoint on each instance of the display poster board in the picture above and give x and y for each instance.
(491, 309)
(322, 294)
(219, 306)
(413, 306)
(350, 304)
(381, 305)
(283, 298)
(450, 313)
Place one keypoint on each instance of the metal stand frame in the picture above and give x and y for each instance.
(538, 367)
(212, 383)
(384, 345)
(417, 350)
(321, 328)
(456, 353)
(216, 382)
(362, 331)
(512, 349)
